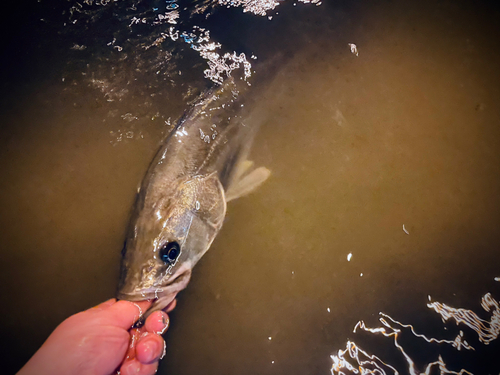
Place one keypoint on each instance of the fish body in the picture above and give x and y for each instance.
(181, 204)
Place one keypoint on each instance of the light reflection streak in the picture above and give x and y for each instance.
(487, 331)
(354, 360)
(458, 343)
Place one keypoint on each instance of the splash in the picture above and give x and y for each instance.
(157, 52)
(259, 7)
(354, 360)
(220, 66)
(169, 21)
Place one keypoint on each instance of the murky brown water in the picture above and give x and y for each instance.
(407, 133)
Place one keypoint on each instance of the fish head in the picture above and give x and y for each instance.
(168, 234)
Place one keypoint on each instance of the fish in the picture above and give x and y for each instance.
(182, 201)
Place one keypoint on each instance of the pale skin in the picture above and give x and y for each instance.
(100, 341)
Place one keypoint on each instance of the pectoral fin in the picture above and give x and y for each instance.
(244, 184)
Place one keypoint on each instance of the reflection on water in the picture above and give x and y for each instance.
(487, 331)
(384, 188)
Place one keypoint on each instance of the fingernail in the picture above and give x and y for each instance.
(164, 352)
(165, 321)
(151, 349)
(157, 322)
(130, 368)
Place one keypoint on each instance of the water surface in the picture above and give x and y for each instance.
(405, 133)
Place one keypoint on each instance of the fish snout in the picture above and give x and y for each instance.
(137, 291)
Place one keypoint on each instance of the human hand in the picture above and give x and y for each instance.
(99, 341)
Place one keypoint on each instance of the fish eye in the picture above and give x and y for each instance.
(169, 252)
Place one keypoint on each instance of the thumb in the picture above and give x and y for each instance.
(124, 314)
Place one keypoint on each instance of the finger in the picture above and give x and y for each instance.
(150, 349)
(104, 305)
(170, 306)
(135, 334)
(124, 313)
(157, 322)
(136, 368)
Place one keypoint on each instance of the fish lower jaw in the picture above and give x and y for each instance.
(158, 292)
(142, 295)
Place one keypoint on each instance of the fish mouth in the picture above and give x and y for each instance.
(160, 301)
(145, 294)
(161, 296)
